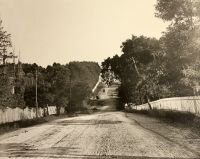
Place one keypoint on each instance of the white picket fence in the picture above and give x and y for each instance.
(10, 115)
(185, 104)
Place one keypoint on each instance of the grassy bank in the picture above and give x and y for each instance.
(185, 119)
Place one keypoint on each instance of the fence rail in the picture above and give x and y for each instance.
(186, 104)
(10, 115)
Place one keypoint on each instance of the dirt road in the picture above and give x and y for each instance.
(109, 134)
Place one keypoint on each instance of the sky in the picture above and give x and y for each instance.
(48, 31)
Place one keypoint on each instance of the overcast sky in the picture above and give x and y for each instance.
(48, 31)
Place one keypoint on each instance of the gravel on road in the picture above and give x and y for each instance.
(101, 135)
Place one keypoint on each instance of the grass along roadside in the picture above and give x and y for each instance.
(181, 119)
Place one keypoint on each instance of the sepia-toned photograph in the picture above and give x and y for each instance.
(99, 79)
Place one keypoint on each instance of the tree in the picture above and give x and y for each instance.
(109, 68)
(58, 77)
(57, 81)
(44, 96)
(132, 67)
(151, 69)
(80, 92)
(141, 51)
(180, 43)
(84, 76)
(87, 72)
(5, 43)
(177, 11)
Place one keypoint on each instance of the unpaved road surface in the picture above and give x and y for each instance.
(107, 134)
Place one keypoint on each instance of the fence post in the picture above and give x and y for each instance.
(195, 104)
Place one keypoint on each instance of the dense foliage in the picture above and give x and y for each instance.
(66, 86)
(61, 85)
(5, 44)
(86, 72)
(150, 69)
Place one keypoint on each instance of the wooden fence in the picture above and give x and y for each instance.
(10, 115)
(186, 104)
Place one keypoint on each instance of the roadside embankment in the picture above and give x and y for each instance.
(184, 119)
(183, 110)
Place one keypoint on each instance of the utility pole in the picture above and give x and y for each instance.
(70, 91)
(14, 67)
(36, 92)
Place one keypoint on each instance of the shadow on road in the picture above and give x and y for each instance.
(85, 122)
(24, 151)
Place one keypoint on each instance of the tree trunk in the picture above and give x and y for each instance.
(137, 71)
(135, 66)
(148, 101)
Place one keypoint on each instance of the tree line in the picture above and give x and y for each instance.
(150, 68)
(68, 86)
